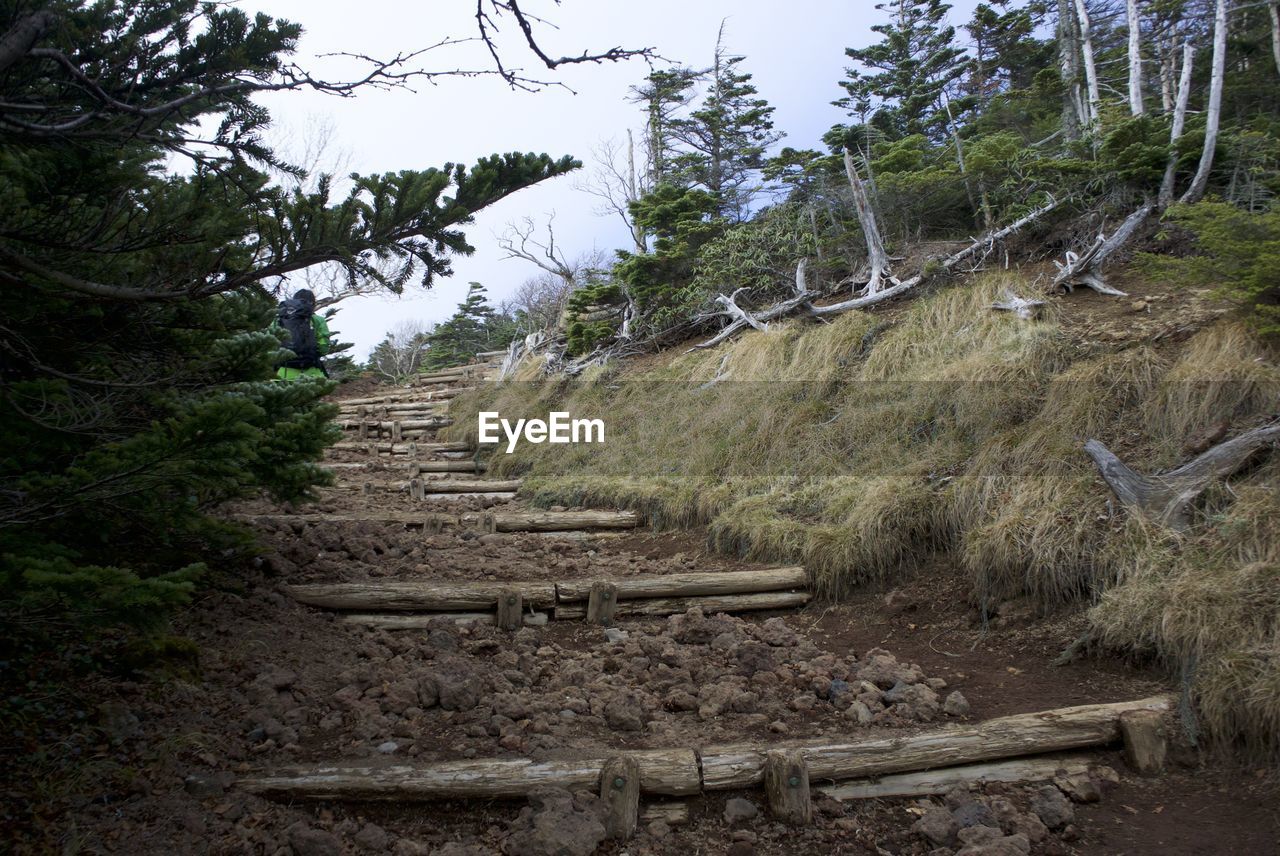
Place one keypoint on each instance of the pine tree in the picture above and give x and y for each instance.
(912, 66)
(726, 138)
(476, 326)
(663, 95)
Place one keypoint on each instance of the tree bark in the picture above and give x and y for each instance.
(1213, 115)
(1168, 497)
(1165, 199)
(423, 620)
(1135, 58)
(1274, 10)
(1074, 114)
(22, 37)
(741, 765)
(558, 521)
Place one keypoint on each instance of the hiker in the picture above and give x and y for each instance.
(307, 335)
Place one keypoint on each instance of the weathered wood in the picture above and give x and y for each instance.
(1145, 744)
(676, 605)
(422, 620)
(692, 584)
(407, 396)
(620, 791)
(559, 521)
(670, 813)
(786, 786)
(405, 596)
(498, 496)
(393, 448)
(470, 486)
(510, 609)
(673, 772)
(415, 489)
(417, 467)
(602, 602)
(740, 766)
(1168, 497)
(931, 782)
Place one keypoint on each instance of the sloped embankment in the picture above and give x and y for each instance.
(863, 446)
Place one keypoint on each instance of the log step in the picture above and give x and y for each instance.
(936, 782)
(422, 620)
(677, 605)
(406, 596)
(692, 584)
(685, 772)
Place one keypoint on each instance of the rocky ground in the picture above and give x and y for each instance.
(276, 683)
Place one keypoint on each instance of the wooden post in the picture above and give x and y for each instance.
(396, 435)
(362, 431)
(368, 488)
(488, 523)
(1144, 740)
(510, 610)
(620, 790)
(415, 469)
(786, 784)
(602, 602)
(416, 490)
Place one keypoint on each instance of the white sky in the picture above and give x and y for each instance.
(794, 49)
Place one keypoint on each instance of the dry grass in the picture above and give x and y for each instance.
(858, 447)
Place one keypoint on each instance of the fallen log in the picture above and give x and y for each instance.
(1086, 268)
(421, 621)
(1168, 497)
(692, 584)
(742, 765)
(416, 467)
(932, 782)
(677, 605)
(557, 521)
(475, 486)
(672, 772)
(404, 596)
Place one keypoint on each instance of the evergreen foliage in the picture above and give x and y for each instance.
(475, 327)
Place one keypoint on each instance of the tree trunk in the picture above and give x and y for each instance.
(1274, 9)
(877, 258)
(739, 766)
(19, 41)
(1073, 111)
(633, 193)
(1213, 114)
(1090, 68)
(1135, 58)
(1165, 198)
(1168, 496)
(692, 584)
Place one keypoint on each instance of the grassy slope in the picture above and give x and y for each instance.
(860, 446)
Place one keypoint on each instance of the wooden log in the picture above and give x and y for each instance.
(415, 489)
(405, 596)
(501, 496)
(388, 448)
(672, 772)
(471, 486)
(933, 782)
(620, 790)
(559, 521)
(602, 602)
(676, 605)
(417, 467)
(422, 620)
(786, 786)
(1145, 744)
(339, 465)
(510, 609)
(406, 396)
(430, 521)
(741, 766)
(693, 584)
(670, 813)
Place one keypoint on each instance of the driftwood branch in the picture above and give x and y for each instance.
(1168, 497)
(1086, 268)
(1020, 306)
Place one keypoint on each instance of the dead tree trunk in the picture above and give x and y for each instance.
(1168, 496)
(1213, 114)
(1090, 67)
(1135, 58)
(1086, 268)
(1165, 198)
(877, 258)
(1274, 9)
(1073, 111)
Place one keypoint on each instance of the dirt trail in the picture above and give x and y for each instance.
(281, 684)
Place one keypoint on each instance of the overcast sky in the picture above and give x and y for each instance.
(794, 49)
